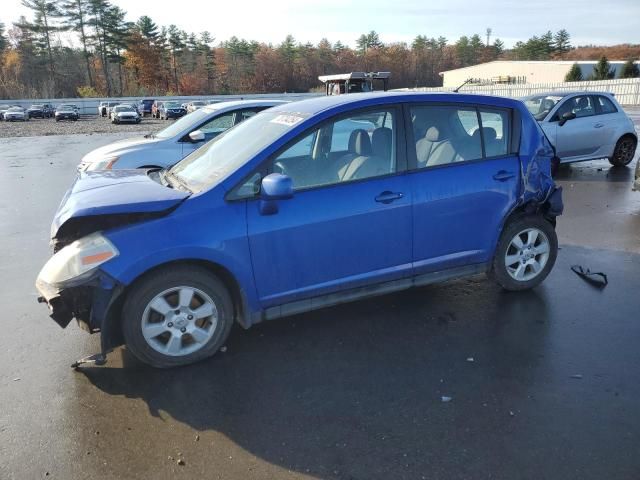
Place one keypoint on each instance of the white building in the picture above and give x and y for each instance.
(507, 71)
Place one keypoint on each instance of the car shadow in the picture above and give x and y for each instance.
(595, 171)
(356, 388)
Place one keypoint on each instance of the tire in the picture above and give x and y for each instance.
(624, 152)
(140, 319)
(531, 229)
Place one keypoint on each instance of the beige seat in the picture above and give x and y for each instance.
(361, 162)
(435, 148)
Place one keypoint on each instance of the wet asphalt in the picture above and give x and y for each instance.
(542, 384)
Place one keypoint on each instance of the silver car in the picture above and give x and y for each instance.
(585, 126)
(172, 144)
(124, 114)
(16, 114)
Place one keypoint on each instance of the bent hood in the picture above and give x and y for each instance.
(114, 192)
(118, 148)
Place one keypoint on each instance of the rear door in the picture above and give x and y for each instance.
(464, 181)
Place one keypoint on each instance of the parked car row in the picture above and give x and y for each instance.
(17, 113)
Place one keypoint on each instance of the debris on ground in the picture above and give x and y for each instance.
(446, 399)
(17, 379)
(197, 438)
(180, 462)
(511, 413)
(597, 279)
(577, 376)
(223, 349)
(470, 359)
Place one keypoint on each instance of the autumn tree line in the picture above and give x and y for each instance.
(71, 48)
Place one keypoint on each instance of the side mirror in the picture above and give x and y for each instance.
(196, 136)
(566, 116)
(274, 187)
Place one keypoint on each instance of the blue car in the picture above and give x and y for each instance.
(305, 205)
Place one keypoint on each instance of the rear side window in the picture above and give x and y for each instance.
(605, 105)
(446, 134)
(495, 132)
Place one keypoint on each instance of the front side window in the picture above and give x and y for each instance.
(581, 106)
(445, 135)
(354, 147)
(218, 124)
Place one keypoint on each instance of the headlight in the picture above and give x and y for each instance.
(78, 260)
(104, 164)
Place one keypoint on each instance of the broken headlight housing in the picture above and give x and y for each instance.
(78, 260)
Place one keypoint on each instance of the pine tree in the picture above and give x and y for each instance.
(602, 70)
(630, 70)
(43, 27)
(75, 18)
(574, 74)
(561, 42)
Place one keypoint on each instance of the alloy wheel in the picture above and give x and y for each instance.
(179, 321)
(527, 254)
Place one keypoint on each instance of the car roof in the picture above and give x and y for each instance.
(243, 103)
(319, 104)
(567, 93)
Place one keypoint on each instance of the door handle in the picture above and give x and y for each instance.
(598, 125)
(503, 175)
(388, 197)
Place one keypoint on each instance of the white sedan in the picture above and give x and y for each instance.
(14, 114)
(585, 126)
(124, 114)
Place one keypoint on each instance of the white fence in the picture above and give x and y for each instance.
(89, 106)
(627, 90)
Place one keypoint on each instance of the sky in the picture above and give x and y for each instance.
(588, 22)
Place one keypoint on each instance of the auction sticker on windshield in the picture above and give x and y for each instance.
(288, 119)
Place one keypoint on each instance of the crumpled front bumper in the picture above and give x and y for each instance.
(91, 303)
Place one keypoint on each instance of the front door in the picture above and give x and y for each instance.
(349, 221)
(581, 136)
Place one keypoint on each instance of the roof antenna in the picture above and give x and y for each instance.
(465, 82)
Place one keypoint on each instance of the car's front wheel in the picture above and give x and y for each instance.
(624, 151)
(177, 316)
(525, 254)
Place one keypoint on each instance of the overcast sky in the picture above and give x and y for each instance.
(589, 22)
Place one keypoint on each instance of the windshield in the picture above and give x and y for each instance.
(65, 107)
(172, 105)
(15, 109)
(37, 106)
(541, 105)
(222, 156)
(185, 122)
(123, 108)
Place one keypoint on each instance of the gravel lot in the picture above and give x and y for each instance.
(37, 127)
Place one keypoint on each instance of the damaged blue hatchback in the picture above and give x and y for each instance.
(303, 206)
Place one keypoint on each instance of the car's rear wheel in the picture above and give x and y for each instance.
(624, 151)
(177, 316)
(525, 254)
